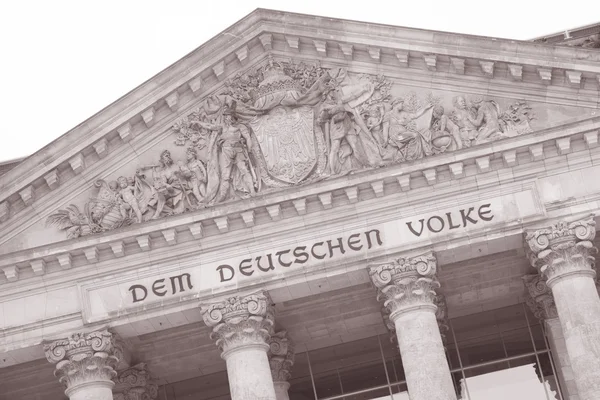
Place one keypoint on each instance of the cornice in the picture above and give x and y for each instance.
(472, 169)
(326, 38)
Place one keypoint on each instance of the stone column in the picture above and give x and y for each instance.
(407, 286)
(135, 383)
(85, 363)
(281, 359)
(563, 255)
(540, 301)
(242, 327)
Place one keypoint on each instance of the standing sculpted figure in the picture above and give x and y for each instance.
(440, 124)
(229, 146)
(195, 173)
(465, 120)
(169, 191)
(127, 193)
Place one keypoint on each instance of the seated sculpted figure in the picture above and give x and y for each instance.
(405, 141)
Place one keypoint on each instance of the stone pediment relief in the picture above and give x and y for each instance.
(284, 124)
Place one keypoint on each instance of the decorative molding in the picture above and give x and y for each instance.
(430, 61)
(125, 132)
(27, 195)
(402, 56)
(135, 383)
(457, 65)
(545, 75)
(240, 321)
(172, 101)
(404, 283)
(52, 179)
(300, 206)
(487, 67)
(248, 217)
(274, 212)
(148, 116)
(374, 53)
(281, 356)
(82, 358)
(293, 42)
(77, 163)
(563, 249)
(347, 50)
(219, 70)
(170, 236)
(539, 297)
(196, 85)
(242, 55)
(321, 47)
(11, 273)
(266, 40)
(326, 200)
(101, 147)
(516, 71)
(38, 267)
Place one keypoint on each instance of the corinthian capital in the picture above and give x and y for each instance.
(135, 383)
(539, 297)
(84, 357)
(281, 356)
(240, 320)
(563, 248)
(406, 282)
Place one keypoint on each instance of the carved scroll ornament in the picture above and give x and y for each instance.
(282, 125)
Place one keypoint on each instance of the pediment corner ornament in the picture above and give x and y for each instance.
(284, 124)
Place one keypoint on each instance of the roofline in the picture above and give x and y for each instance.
(178, 74)
(569, 31)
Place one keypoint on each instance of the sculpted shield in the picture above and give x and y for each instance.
(287, 142)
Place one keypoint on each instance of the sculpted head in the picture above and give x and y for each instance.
(123, 183)
(438, 111)
(191, 154)
(398, 105)
(460, 102)
(165, 158)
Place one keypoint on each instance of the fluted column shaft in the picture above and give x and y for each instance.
(85, 363)
(407, 287)
(242, 326)
(563, 254)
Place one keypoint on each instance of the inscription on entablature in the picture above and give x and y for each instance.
(285, 124)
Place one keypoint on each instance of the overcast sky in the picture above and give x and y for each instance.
(63, 61)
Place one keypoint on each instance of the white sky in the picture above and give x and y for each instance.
(63, 61)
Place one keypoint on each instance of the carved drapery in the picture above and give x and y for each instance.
(240, 320)
(284, 124)
(84, 357)
(135, 383)
(281, 356)
(404, 283)
(563, 249)
(539, 297)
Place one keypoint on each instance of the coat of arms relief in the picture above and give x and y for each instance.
(285, 124)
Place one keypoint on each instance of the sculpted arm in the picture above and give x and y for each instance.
(206, 125)
(246, 135)
(477, 121)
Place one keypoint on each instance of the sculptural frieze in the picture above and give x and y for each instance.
(285, 124)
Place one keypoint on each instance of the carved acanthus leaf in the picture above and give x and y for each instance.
(539, 297)
(240, 320)
(562, 248)
(84, 357)
(281, 356)
(406, 282)
(135, 383)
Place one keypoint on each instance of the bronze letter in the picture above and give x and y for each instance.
(300, 254)
(438, 219)
(369, 237)
(270, 267)
(466, 217)
(243, 268)
(450, 225)
(180, 280)
(482, 214)
(156, 288)
(279, 254)
(338, 246)
(231, 271)
(409, 224)
(133, 289)
(352, 243)
(317, 256)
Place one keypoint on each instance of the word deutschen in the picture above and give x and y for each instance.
(301, 255)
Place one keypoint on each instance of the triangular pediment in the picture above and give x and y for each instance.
(309, 107)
